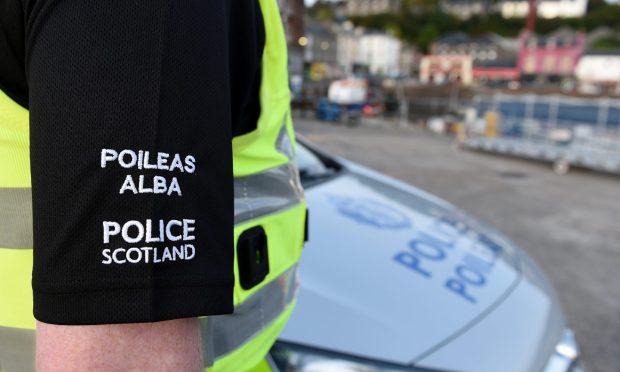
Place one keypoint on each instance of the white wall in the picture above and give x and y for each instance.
(599, 69)
(381, 53)
(348, 46)
(546, 8)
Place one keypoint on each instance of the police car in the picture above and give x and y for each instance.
(395, 279)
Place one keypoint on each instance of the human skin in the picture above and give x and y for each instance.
(173, 345)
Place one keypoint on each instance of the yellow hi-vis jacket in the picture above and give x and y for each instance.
(270, 212)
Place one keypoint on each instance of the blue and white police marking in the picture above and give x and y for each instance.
(371, 212)
(430, 249)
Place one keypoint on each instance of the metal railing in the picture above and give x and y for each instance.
(540, 127)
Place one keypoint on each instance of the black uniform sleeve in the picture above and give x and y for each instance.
(12, 52)
(130, 109)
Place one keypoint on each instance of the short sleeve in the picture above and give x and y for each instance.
(130, 121)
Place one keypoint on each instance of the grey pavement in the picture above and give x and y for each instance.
(570, 224)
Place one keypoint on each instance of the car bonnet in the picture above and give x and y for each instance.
(391, 272)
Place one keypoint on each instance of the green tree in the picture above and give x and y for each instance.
(428, 33)
(322, 11)
(606, 43)
(420, 21)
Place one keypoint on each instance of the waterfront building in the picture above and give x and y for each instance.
(371, 7)
(348, 44)
(495, 72)
(381, 53)
(493, 57)
(599, 70)
(375, 52)
(551, 57)
(442, 69)
(320, 51)
(489, 48)
(410, 57)
(465, 9)
(319, 43)
(545, 8)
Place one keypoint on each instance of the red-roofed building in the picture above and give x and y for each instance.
(442, 69)
(505, 71)
(553, 56)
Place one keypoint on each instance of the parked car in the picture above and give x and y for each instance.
(395, 279)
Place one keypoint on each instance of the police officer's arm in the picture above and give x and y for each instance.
(131, 178)
(163, 346)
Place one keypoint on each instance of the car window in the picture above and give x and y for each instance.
(309, 163)
(313, 167)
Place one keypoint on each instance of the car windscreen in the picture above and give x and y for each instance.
(313, 167)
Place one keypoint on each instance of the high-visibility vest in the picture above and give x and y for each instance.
(269, 210)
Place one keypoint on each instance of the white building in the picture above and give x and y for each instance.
(410, 57)
(442, 69)
(347, 39)
(545, 8)
(319, 43)
(601, 69)
(381, 53)
(464, 9)
(371, 7)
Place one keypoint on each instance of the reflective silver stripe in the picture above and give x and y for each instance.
(222, 334)
(283, 143)
(256, 195)
(267, 192)
(16, 350)
(270, 191)
(16, 218)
